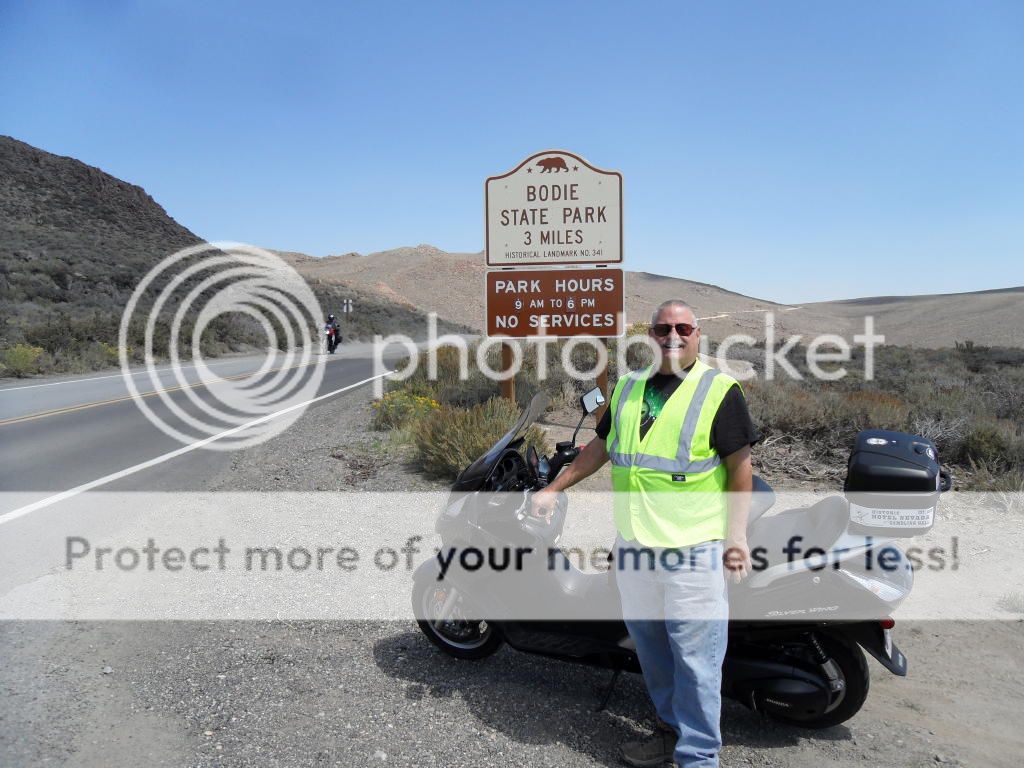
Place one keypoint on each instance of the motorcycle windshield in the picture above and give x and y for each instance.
(474, 475)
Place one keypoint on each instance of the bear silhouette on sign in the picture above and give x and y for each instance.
(555, 164)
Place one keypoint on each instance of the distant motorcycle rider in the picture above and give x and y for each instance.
(332, 328)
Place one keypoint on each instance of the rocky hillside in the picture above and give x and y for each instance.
(73, 238)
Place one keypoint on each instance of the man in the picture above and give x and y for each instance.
(679, 438)
(333, 329)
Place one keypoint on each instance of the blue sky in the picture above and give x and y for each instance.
(794, 151)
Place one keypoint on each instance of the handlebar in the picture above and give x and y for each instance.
(545, 529)
(560, 459)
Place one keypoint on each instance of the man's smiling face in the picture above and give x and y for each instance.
(678, 352)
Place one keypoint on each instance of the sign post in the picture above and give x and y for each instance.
(508, 386)
(555, 210)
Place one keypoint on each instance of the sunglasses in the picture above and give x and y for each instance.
(663, 329)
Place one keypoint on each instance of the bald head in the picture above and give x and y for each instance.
(672, 304)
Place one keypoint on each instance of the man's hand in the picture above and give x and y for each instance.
(737, 559)
(543, 503)
(591, 458)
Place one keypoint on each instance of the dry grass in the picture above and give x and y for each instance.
(447, 440)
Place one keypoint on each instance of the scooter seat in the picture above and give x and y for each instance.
(793, 533)
(761, 501)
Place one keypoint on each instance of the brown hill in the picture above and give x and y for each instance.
(451, 284)
(993, 318)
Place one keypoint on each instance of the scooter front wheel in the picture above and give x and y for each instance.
(453, 633)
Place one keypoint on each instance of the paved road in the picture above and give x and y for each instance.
(58, 435)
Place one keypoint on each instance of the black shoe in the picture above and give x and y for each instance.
(658, 749)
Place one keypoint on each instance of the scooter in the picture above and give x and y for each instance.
(786, 657)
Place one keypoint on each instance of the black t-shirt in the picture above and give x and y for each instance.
(731, 429)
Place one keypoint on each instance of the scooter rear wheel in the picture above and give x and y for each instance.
(457, 636)
(853, 670)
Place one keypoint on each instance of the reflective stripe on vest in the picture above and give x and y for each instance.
(627, 386)
(681, 463)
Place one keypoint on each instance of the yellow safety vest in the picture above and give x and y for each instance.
(670, 486)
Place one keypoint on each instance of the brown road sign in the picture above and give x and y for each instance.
(553, 208)
(555, 302)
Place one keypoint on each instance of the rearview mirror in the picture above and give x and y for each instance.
(945, 480)
(593, 400)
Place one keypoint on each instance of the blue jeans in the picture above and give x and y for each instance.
(677, 613)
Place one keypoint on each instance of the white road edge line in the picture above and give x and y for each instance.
(71, 492)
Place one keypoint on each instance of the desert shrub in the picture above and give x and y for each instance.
(1006, 483)
(985, 443)
(419, 381)
(871, 409)
(947, 434)
(1002, 393)
(449, 439)
(1003, 356)
(783, 407)
(977, 358)
(449, 389)
(527, 386)
(475, 390)
(21, 359)
(399, 409)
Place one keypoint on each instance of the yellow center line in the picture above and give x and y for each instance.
(98, 403)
